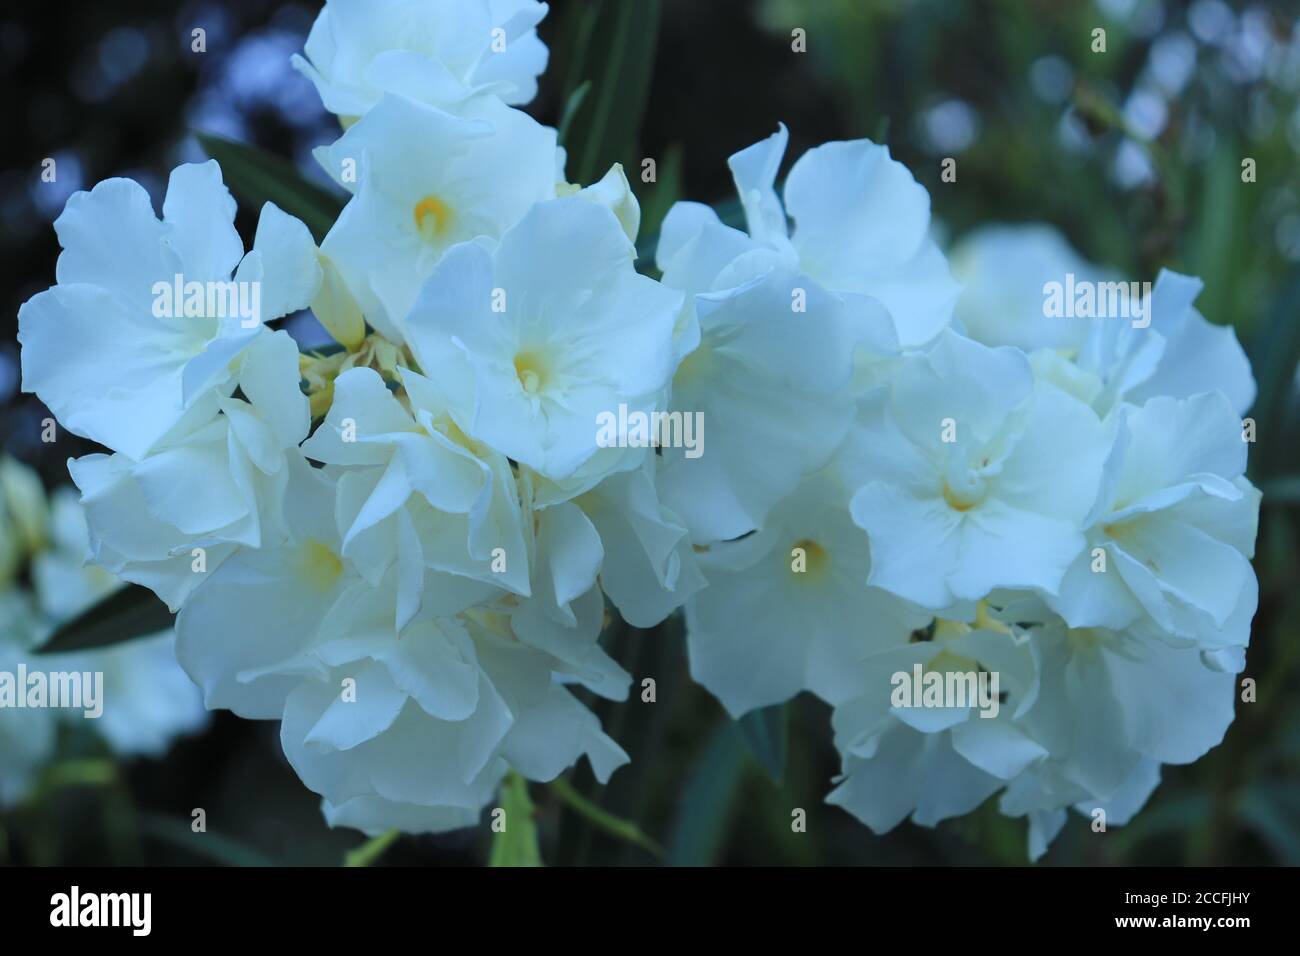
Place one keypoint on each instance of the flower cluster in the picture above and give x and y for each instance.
(1057, 503)
(403, 548)
(407, 561)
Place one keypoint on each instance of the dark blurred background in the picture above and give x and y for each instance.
(1134, 154)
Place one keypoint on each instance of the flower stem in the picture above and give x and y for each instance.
(371, 850)
(615, 826)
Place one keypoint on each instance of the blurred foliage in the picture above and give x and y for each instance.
(1135, 154)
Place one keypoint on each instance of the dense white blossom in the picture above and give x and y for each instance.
(846, 479)
(132, 374)
(977, 477)
(862, 225)
(533, 339)
(437, 51)
(453, 178)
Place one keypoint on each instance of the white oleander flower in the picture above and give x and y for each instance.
(1085, 718)
(764, 375)
(421, 495)
(437, 720)
(1003, 269)
(788, 608)
(1110, 699)
(1186, 355)
(532, 339)
(1170, 537)
(565, 612)
(424, 493)
(424, 180)
(412, 725)
(261, 606)
(1171, 349)
(146, 523)
(1113, 707)
(1045, 805)
(439, 52)
(974, 477)
(862, 226)
(95, 347)
(614, 541)
(936, 762)
(649, 568)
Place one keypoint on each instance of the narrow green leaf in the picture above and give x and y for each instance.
(1272, 811)
(571, 107)
(614, 52)
(766, 732)
(1274, 350)
(1180, 815)
(257, 177)
(701, 823)
(516, 843)
(1282, 490)
(82, 772)
(208, 846)
(657, 198)
(129, 612)
(663, 192)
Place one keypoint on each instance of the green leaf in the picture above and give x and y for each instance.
(1212, 240)
(766, 732)
(701, 823)
(81, 772)
(1282, 490)
(516, 844)
(664, 191)
(1272, 810)
(571, 107)
(1274, 351)
(258, 177)
(207, 846)
(1163, 818)
(128, 613)
(612, 48)
(659, 197)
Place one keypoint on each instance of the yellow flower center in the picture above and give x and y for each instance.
(956, 501)
(433, 218)
(694, 366)
(318, 566)
(808, 559)
(531, 370)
